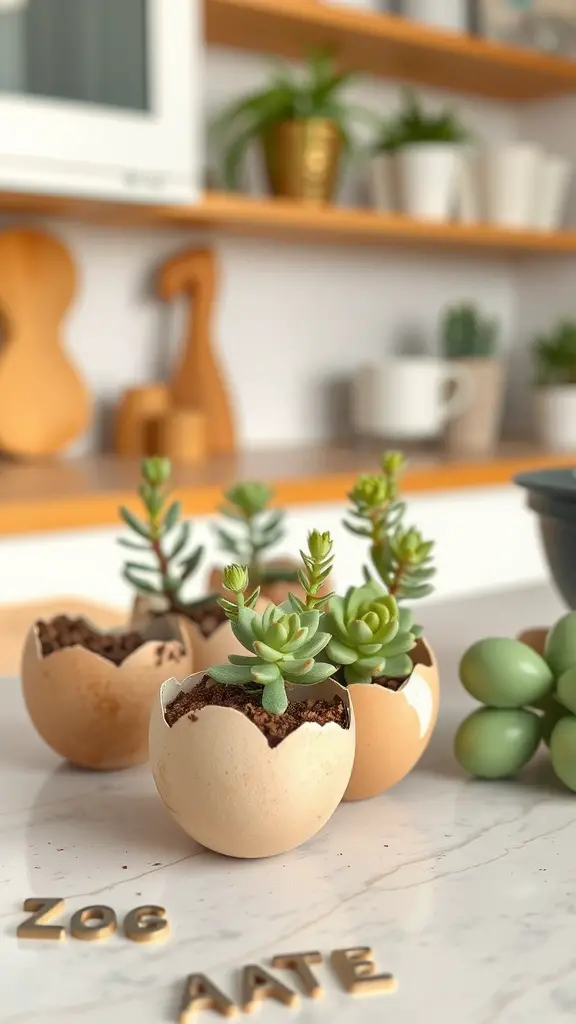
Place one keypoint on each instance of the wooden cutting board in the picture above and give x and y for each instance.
(198, 382)
(44, 404)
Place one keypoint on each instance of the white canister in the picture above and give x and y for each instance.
(555, 410)
(408, 397)
(509, 178)
(428, 174)
(552, 192)
(445, 14)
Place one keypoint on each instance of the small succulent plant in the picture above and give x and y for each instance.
(170, 568)
(370, 637)
(467, 333)
(282, 646)
(256, 530)
(401, 557)
(555, 355)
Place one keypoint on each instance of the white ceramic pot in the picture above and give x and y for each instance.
(428, 179)
(382, 182)
(407, 398)
(445, 14)
(552, 192)
(555, 410)
(509, 178)
(233, 793)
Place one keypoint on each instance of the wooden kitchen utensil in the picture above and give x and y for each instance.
(197, 382)
(44, 404)
(182, 436)
(137, 421)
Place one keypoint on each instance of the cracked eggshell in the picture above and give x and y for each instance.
(234, 794)
(393, 727)
(92, 712)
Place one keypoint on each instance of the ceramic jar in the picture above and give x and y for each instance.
(393, 727)
(233, 793)
(95, 713)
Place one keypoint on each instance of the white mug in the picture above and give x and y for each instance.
(408, 397)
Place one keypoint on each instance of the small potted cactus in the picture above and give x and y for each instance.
(378, 650)
(527, 697)
(251, 530)
(90, 693)
(253, 757)
(159, 582)
(470, 340)
(555, 387)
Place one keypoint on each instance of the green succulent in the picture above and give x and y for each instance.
(414, 124)
(256, 529)
(404, 564)
(370, 637)
(284, 640)
(466, 332)
(555, 355)
(170, 567)
(375, 506)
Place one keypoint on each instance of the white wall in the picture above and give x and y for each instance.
(292, 320)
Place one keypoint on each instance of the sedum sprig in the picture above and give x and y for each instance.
(256, 529)
(376, 508)
(370, 637)
(282, 646)
(170, 568)
(317, 566)
(405, 564)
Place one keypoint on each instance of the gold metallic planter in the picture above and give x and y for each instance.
(234, 794)
(302, 159)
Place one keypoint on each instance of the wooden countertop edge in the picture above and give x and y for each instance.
(101, 509)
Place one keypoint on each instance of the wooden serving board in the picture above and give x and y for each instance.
(44, 404)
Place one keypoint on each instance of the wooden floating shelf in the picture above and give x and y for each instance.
(86, 492)
(284, 219)
(390, 46)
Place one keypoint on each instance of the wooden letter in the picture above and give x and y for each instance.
(103, 929)
(258, 984)
(357, 971)
(298, 962)
(44, 909)
(146, 924)
(201, 994)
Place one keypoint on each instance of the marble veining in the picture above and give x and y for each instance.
(466, 891)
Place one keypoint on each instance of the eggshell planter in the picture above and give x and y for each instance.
(92, 712)
(233, 793)
(393, 727)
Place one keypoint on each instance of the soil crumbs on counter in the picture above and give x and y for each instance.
(275, 727)
(62, 632)
(207, 617)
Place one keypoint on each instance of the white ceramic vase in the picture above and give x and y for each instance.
(555, 411)
(552, 192)
(382, 185)
(428, 174)
(509, 178)
(445, 14)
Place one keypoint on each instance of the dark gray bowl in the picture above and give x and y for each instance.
(552, 496)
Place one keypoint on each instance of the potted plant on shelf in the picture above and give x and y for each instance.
(469, 339)
(253, 757)
(430, 149)
(555, 392)
(383, 177)
(527, 697)
(89, 693)
(302, 125)
(251, 531)
(159, 582)
(379, 652)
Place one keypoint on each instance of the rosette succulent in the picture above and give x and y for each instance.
(369, 636)
(284, 641)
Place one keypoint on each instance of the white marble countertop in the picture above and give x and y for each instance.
(465, 890)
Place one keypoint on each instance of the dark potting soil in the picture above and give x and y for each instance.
(275, 727)
(206, 616)
(62, 632)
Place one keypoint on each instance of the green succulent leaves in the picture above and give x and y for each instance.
(161, 535)
(317, 562)
(253, 530)
(404, 563)
(466, 332)
(370, 637)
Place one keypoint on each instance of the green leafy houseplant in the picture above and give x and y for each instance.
(254, 530)
(414, 125)
(161, 535)
(292, 95)
(284, 641)
(555, 355)
(466, 333)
